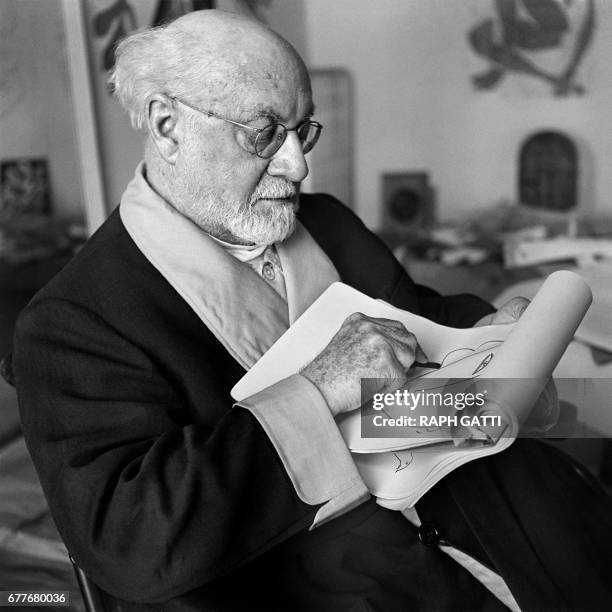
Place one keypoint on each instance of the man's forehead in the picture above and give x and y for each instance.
(272, 94)
(246, 68)
(246, 49)
(267, 110)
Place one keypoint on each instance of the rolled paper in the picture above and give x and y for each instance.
(536, 344)
(539, 339)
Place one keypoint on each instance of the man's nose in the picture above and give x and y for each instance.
(289, 160)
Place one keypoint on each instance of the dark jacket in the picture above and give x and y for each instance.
(164, 494)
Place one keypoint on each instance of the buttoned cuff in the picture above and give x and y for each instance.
(298, 422)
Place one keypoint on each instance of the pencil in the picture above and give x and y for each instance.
(432, 365)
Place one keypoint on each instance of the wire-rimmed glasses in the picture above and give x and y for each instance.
(268, 140)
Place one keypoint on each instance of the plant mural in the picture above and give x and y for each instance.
(116, 20)
(518, 29)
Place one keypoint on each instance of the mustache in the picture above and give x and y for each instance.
(272, 190)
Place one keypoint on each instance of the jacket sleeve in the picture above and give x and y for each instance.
(366, 263)
(151, 507)
(461, 310)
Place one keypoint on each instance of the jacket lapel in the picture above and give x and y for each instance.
(245, 313)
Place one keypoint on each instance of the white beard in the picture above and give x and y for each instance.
(263, 224)
(251, 222)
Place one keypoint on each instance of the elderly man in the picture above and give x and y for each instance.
(168, 496)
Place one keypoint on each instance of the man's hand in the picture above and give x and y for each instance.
(510, 312)
(364, 347)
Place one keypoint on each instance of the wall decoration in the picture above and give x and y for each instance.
(114, 21)
(118, 19)
(407, 202)
(24, 187)
(548, 172)
(543, 39)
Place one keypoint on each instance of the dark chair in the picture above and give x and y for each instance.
(95, 599)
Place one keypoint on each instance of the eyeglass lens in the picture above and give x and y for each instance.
(271, 138)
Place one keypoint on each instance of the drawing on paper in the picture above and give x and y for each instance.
(403, 460)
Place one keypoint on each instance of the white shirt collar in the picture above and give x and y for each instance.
(241, 252)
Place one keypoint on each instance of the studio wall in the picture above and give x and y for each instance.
(36, 114)
(416, 108)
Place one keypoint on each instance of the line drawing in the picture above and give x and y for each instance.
(483, 364)
(470, 351)
(489, 345)
(402, 464)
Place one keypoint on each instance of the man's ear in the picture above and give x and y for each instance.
(162, 119)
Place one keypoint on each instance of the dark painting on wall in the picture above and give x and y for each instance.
(407, 202)
(118, 19)
(514, 34)
(24, 188)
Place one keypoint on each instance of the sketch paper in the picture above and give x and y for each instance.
(311, 333)
(400, 470)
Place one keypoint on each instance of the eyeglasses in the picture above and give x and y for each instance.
(268, 140)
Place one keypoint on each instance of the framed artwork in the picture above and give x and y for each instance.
(24, 187)
(407, 202)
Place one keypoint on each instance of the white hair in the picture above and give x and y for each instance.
(164, 59)
(202, 54)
